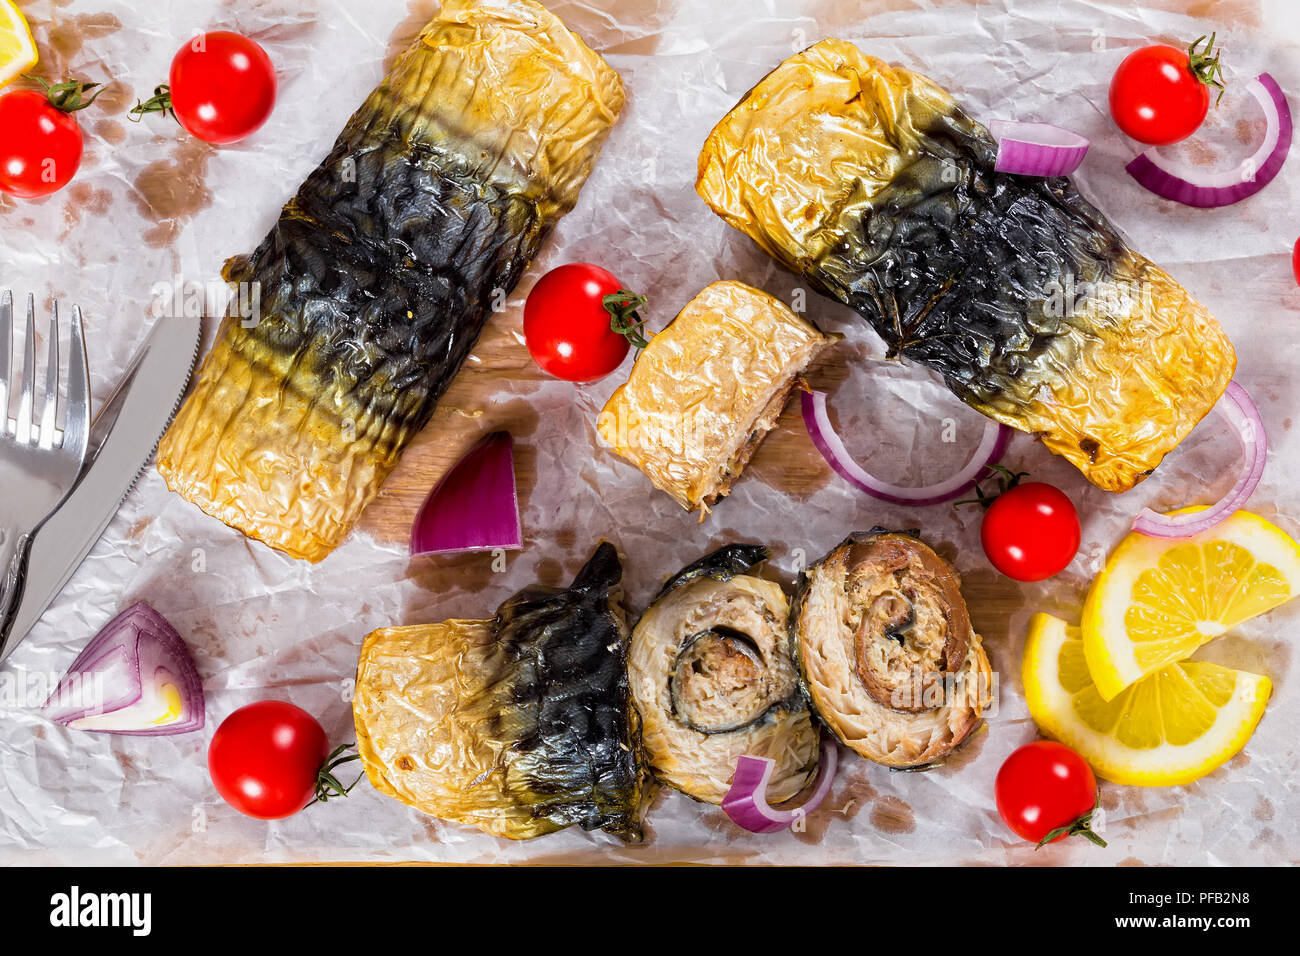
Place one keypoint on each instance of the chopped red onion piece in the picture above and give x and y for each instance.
(136, 677)
(475, 507)
(1037, 149)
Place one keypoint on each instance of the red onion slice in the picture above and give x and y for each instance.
(136, 677)
(817, 421)
(1037, 149)
(746, 801)
(1207, 189)
(1243, 416)
(476, 505)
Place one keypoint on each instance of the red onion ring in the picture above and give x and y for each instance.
(1243, 416)
(746, 801)
(1222, 187)
(1037, 149)
(816, 419)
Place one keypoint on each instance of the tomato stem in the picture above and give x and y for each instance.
(1080, 827)
(1204, 64)
(1007, 479)
(160, 102)
(328, 786)
(70, 95)
(624, 318)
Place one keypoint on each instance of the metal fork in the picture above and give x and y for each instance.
(39, 464)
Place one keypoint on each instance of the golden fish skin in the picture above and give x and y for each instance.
(381, 272)
(520, 726)
(871, 182)
(707, 389)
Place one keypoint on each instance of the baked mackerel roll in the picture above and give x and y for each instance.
(871, 183)
(886, 651)
(521, 725)
(708, 389)
(712, 678)
(381, 271)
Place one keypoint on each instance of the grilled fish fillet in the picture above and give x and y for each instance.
(872, 183)
(521, 725)
(379, 275)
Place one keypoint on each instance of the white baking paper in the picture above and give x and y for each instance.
(151, 205)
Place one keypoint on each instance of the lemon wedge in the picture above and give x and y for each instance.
(1159, 599)
(1171, 727)
(17, 48)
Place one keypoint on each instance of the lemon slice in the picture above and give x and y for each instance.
(17, 48)
(1171, 727)
(1159, 599)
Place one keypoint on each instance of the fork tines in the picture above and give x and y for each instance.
(24, 430)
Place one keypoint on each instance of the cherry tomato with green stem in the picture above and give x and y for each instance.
(1046, 792)
(40, 140)
(271, 759)
(580, 321)
(1030, 531)
(1161, 94)
(221, 88)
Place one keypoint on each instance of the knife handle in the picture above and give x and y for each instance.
(11, 595)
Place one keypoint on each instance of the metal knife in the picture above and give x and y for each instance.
(123, 437)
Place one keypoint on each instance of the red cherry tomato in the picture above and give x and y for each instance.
(568, 328)
(1045, 786)
(1160, 94)
(1031, 531)
(40, 145)
(1295, 260)
(265, 757)
(223, 87)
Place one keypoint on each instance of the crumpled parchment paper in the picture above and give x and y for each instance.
(150, 205)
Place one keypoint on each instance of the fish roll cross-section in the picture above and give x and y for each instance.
(713, 680)
(886, 650)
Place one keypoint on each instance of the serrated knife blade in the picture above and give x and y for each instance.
(122, 440)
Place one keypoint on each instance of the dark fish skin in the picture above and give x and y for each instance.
(576, 736)
(722, 564)
(950, 267)
(380, 275)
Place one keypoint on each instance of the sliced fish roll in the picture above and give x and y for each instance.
(886, 650)
(712, 678)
